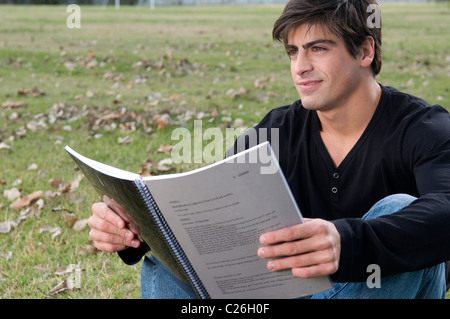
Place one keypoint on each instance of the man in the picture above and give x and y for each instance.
(351, 149)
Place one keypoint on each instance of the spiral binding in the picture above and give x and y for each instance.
(171, 240)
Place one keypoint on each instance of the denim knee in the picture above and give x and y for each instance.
(389, 205)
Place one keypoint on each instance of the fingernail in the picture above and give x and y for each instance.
(261, 252)
(135, 243)
(270, 266)
(262, 239)
(129, 235)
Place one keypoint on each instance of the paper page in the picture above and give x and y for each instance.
(218, 214)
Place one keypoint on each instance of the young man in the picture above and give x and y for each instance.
(351, 149)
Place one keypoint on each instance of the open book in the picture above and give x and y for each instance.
(204, 225)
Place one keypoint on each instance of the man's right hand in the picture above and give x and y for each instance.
(109, 231)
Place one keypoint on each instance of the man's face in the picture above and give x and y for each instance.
(324, 73)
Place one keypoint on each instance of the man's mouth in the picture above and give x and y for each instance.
(308, 84)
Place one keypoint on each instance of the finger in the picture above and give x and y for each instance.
(104, 212)
(315, 271)
(286, 234)
(108, 247)
(301, 261)
(123, 238)
(290, 248)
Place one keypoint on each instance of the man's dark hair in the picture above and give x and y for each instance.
(347, 19)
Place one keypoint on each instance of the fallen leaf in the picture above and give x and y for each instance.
(80, 224)
(162, 165)
(64, 270)
(70, 220)
(124, 140)
(76, 182)
(32, 167)
(23, 202)
(4, 146)
(5, 227)
(88, 250)
(55, 182)
(235, 94)
(65, 188)
(61, 286)
(11, 194)
(113, 115)
(34, 92)
(54, 230)
(161, 121)
(12, 104)
(165, 148)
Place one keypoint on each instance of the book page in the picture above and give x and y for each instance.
(218, 214)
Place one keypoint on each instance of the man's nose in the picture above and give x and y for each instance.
(302, 64)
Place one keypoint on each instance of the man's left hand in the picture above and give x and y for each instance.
(310, 249)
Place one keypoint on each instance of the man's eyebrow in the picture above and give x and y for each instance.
(312, 43)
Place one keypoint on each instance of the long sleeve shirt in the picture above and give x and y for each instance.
(404, 149)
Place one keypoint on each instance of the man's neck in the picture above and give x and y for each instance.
(343, 126)
(352, 117)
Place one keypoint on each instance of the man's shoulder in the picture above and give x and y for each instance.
(415, 120)
(282, 115)
(408, 102)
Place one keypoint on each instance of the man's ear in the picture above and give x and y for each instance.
(367, 50)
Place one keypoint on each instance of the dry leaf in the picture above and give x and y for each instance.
(114, 115)
(51, 194)
(124, 140)
(34, 92)
(54, 230)
(11, 194)
(68, 283)
(235, 94)
(165, 148)
(88, 250)
(23, 202)
(12, 104)
(161, 121)
(162, 165)
(4, 146)
(70, 220)
(80, 224)
(6, 227)
(32, 167)
(56, 182)
(64, 270)
(76, 182)
(61, 286)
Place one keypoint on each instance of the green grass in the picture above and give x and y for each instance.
(138, 54)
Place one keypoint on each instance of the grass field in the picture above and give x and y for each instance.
(104, 89)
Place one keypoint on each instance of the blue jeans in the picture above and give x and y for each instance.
(158, 283)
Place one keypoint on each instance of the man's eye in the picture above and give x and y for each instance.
(292, 53)
(318, 49)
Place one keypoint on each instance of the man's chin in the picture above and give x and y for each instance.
(309, 103)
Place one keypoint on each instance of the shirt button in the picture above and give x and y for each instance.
(334, 190)
(336, 175)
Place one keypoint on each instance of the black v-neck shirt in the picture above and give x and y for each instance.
(404, 149)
